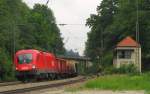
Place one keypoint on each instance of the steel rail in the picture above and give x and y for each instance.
(9, 83)
(24, 90)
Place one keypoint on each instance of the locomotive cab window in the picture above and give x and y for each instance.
(24, 58)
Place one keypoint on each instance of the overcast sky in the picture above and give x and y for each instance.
(75, 13)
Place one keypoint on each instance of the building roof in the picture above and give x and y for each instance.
(128, 42)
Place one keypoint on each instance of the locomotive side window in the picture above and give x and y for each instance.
(24, 58)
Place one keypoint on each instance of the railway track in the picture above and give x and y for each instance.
(44, 86)
(9, 83)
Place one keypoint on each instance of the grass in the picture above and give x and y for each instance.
(120, 82)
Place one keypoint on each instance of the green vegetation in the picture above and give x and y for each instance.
(124, 69)
(30, 28)
(116, 19)
(120, 82)
(116, 83)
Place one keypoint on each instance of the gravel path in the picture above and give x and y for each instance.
(93, 92)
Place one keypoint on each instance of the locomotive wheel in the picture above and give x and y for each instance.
(58, 76)
(46, 76)
(52, 76)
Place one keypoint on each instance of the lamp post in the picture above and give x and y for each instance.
(137, 36)
(137, 21)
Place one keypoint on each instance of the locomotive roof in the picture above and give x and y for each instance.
(33, 51)
(28, 50)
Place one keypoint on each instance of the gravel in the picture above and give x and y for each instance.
(92, 92)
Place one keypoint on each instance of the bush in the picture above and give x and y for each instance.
(128, 69)
(107, 60)
(110, 70)
(124, 69)
(6, 70)
(94, 69)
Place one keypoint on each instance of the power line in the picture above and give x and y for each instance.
(64, 24)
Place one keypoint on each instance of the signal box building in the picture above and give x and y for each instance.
(128, 51)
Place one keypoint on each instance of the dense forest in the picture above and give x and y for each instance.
(115, 20)
(25, 28)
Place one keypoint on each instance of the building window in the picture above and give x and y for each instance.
(126, 54)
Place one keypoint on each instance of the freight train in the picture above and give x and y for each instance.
(35, 64)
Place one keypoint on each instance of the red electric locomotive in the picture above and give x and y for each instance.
(36, 64)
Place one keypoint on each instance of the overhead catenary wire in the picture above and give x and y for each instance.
(64, 24)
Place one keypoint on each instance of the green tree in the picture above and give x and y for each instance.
(117, 20)
(124, 23)
(27, 29)
(98, 24)
(47, 34)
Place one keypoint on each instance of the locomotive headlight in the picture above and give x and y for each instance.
(33, 67)
(16, 68)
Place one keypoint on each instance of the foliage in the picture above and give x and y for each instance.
(107, 59)
(128, 69)
(124, 69)
(46, 32)
(120, 82)
(110, 70)
(98, 23)
(72, 53)
(101, 67)
(25, 28)
(6, 69)
(94, 69)
(116, 19)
